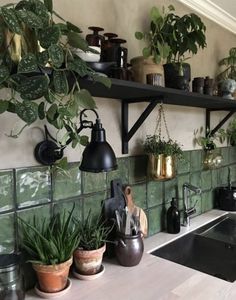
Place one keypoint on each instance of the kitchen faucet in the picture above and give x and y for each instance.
(188, 211)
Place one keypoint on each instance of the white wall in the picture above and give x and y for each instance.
(123, 17)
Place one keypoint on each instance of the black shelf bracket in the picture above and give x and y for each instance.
(126, 133)
(221, 123)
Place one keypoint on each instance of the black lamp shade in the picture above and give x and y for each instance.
(98, 155)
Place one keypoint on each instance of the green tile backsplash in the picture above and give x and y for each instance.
(28, 191)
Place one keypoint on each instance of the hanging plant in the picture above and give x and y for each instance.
(39, 67)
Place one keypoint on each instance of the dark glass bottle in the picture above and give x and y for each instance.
(173, 218)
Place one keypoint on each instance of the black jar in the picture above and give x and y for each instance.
(11, 279)
(95, 39)
(173, 218)
(198, 85)
(129, 249)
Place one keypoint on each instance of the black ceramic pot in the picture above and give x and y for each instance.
(129, 249)
(172, 77)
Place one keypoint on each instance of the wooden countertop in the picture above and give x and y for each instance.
(154, 278)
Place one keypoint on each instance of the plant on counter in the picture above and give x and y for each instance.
(89, 253)
(50, 245)
(38, 65)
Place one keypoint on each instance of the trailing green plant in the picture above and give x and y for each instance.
(229, 63)
(40, 67)
(51, 241)
(207, 141)
(93, 232)
(156, 35)
(155, 145)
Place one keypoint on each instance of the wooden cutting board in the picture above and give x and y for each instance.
(135, 210)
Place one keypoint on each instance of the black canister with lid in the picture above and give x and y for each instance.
(173, 218)
(11, 279)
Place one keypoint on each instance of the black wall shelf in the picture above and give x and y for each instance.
(133, 92)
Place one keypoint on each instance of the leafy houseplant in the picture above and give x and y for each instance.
(89, 253)
(38, 65)
(50, 245)
(229, 63)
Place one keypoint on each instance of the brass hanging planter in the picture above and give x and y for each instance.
(161, 167)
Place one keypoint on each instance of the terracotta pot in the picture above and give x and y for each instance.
(52, 278)
(161, 167)
(141, 67)
(88, 262)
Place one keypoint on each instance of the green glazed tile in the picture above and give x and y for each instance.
(183, 165)
(223, 176)
(67, 184)
(156, 219)
(196, 200)
(233, 173)
(215, 177)
(181, 179)
(40, 212)
(196, 160)
(32, 186)
(195, 179)
(68, 206)
(154, 193)
(170, 190)
(225, 154)
(140, 195)
(206, 180)
(93, 203)
(6, 190)
(7, 235)
(137, 169)
(232, 155)
(122, 172)
(207, 201)
(93, 182)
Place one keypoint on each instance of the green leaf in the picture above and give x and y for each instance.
(76, 41)
(56, 54)
(27, 111)
(41, 10)
(10, 19)
(146, 52)
(73, 27)
(155, 14)
(42, 58)
(28, 63)
(50, 97)
(49, 35)
(52, 112)
(3, 106)
(30, 19)
(84, 140)
(49, 5)
(139, 35)
(60, 82)
(34, 87)
(4, 73)
(1, 37)
(41, 112)
(79, 66)
(85, 99)
(11, 107)
(102, 79)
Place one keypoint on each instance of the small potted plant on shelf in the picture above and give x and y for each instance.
(157, 49)
(185, 36)
(49, 245)
(92, 245)
(38, 62)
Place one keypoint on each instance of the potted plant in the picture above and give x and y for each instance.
(92, 245)
(40, 67)
(50, 245)
(157, 49)
(184, 35)
(162, 156)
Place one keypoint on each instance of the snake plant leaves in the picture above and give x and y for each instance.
(42, 58)
(4, 73)
(34, 87)
(10, 19)
(76, 41)
(3, 106)
(73, 27)
(60, 82)
(27, 111)
(49, 5)
(49, 35)
(28, 63)
(56, 55)
(85, 99)
(30, 19)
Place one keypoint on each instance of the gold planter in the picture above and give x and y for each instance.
(161, 167)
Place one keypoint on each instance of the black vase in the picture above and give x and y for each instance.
(173, 79)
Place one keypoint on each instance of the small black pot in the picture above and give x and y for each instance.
(173, 79)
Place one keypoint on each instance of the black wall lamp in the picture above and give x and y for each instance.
(97, 156)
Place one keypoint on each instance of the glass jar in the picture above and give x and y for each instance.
(11, 279)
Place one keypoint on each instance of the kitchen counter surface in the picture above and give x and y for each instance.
(154, 278)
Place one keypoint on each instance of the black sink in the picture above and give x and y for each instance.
(210, 249)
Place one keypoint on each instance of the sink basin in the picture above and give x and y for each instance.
(210, 249)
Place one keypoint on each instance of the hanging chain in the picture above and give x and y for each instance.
(161, 115)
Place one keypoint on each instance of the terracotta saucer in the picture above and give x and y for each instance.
(89, 277)
(53, 295)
